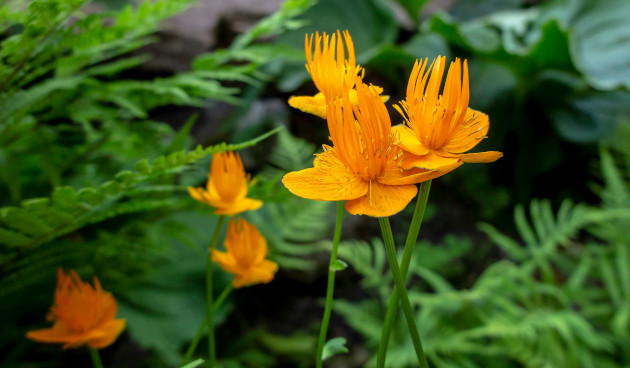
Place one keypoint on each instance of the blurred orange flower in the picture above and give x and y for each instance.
(227, 186)
(438, 128)
(83, 315)
(363, 166)
(245, 256)
(330, 70)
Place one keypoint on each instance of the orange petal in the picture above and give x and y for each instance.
(470, 132)
(414, 176)
(238, 206)
(58, 333)
(197, 193)
(430, 161)
(481, 157)
(329, 180)
(106, 334)
(382, 200)
(261, 273)
(408, 140)
(315, 105)
(226, 261)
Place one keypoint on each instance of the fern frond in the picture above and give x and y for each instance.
(369, 260)
(616, 191)
(41, 220)
(275, 23)
(294, 229)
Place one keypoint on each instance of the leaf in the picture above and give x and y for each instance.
(181, 139)
(470, 9)
(600, 43)
(371, 24)
(337, 265)
(413, 7)
(72, 210)
(275, 23)
(160, 313)
(529, 39)
(424, 45)
(333, 347)
(591, 117)
(471, 35)
(194, 364)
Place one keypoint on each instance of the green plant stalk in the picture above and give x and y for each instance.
(400, 285)
(96, 359)
(331, 287)
(213, 244)
(410, 244)
(193, 345)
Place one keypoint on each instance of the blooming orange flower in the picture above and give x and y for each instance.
(83, 315)
(245, 256)
(438, 128)
(227, 186)
(330, 70)
(363, 166)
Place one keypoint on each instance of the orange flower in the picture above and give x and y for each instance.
(227, 186)
(330, 70)
(83, 315)
(363, 166)
(438, 128)
(245, 256)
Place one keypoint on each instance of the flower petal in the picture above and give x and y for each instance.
(226, 261)
(408, 140)
(481, 157)
(58, 333)
(413, 176)
(198, 194)
(315, 105)
(106, 334)
(430, 161)
(261, 273)
(472, 131)
(238, 206)
(382, 200)
(329, 180)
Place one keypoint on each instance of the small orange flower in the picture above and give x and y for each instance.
(363, 166)
(83, 315)
(245, 256)
(438, 128)
(227, 186)
(330, 70)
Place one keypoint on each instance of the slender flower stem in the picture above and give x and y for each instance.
(204, 324)
(410, 244)
(331, 287)
(400, 285)
(96, 359)
(213, 245)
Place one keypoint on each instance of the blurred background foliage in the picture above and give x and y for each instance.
(97, 146)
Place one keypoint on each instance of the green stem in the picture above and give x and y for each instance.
(331, 287)
(193, 345)
(96, 359)
(213, 244)
(400, 285)
(410, 244)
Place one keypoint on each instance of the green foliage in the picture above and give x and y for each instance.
(293, 226)
(93, 183)
(40, 220)
(371, 24)
(333, 347)
(543, 306)
(194, 364)
(68, 115)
